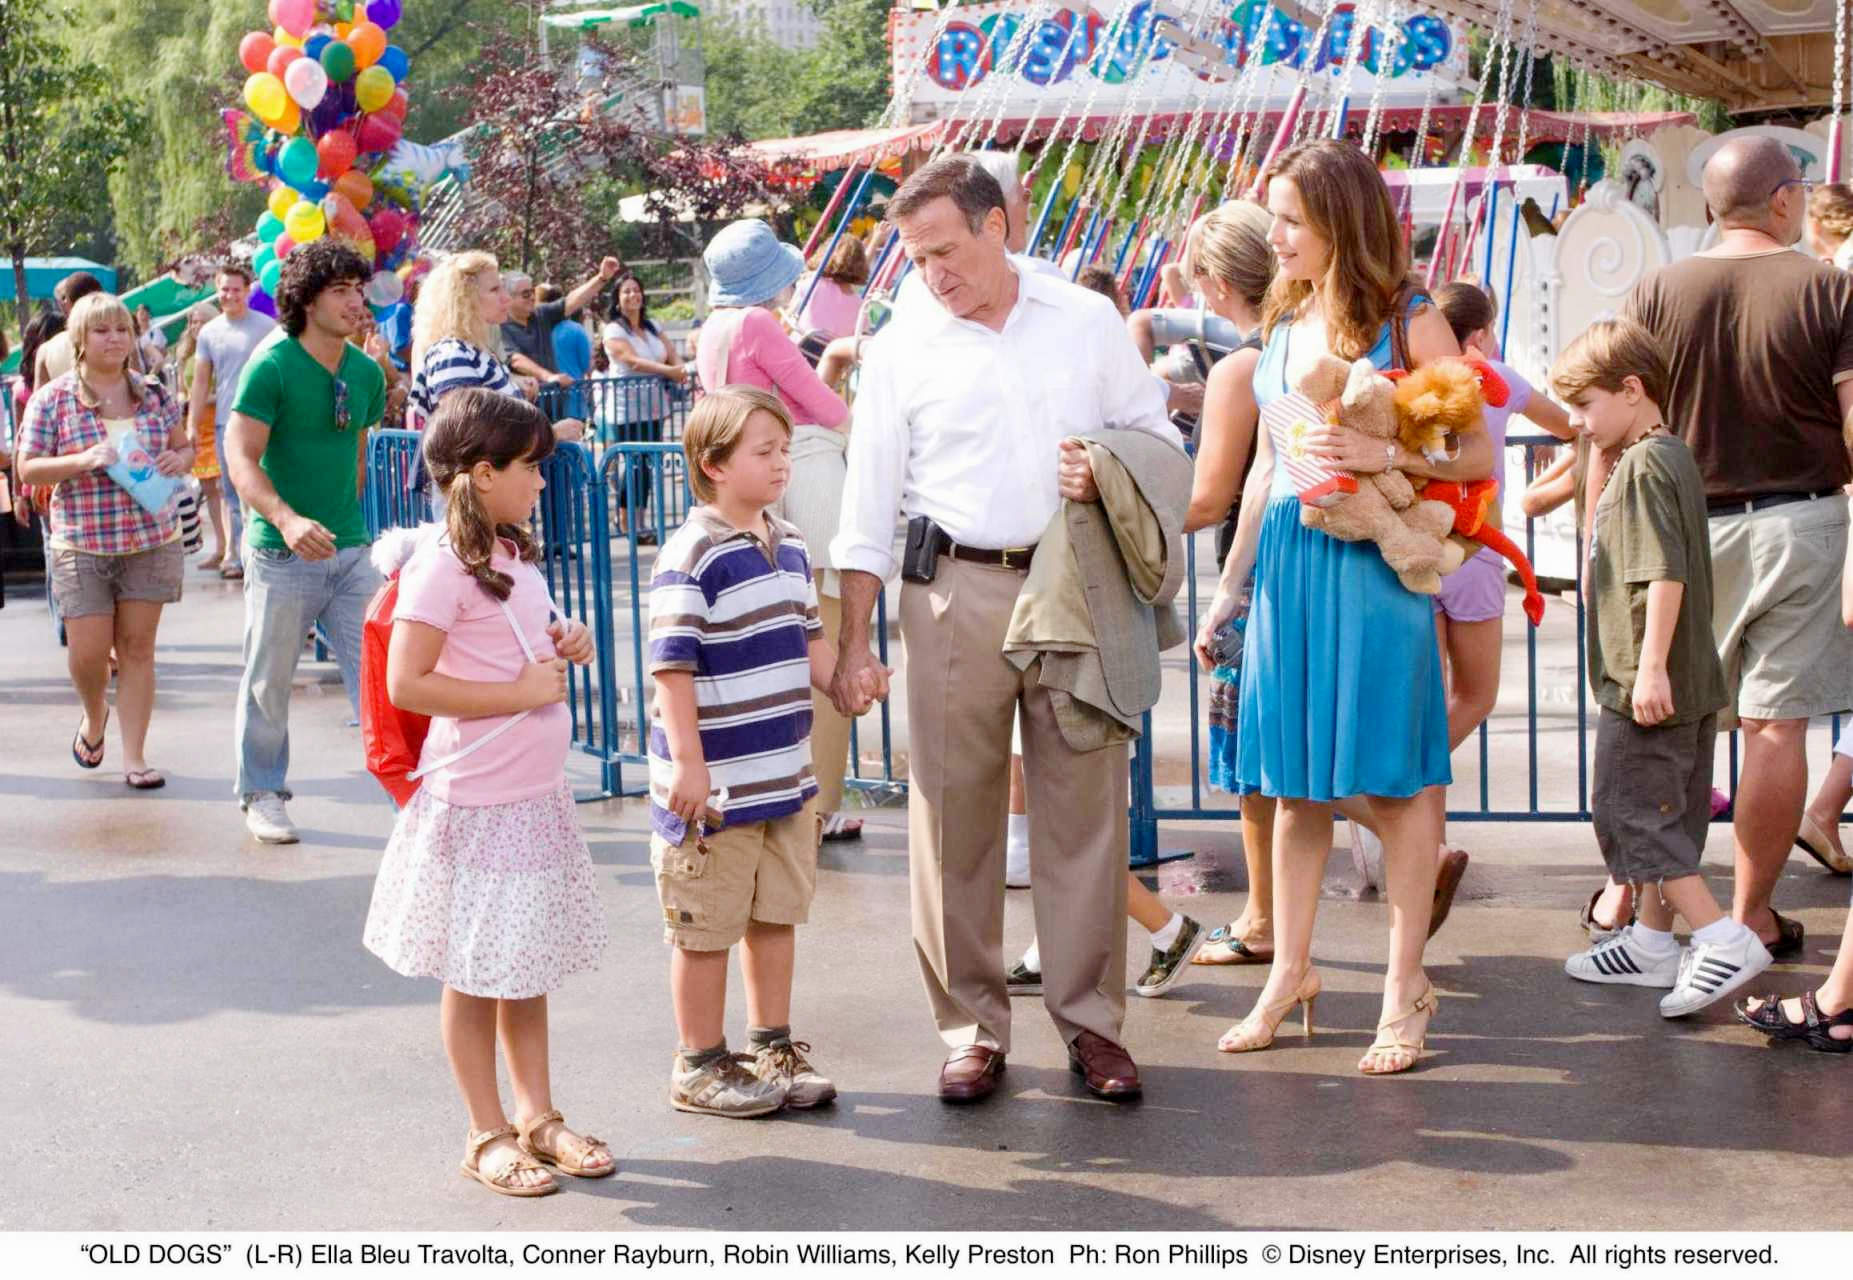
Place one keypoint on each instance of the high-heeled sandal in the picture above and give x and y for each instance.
(1391, 1040)
(1256, 1031)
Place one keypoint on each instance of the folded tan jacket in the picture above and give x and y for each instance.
(1096, 610)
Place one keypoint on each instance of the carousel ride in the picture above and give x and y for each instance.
(1129, 121)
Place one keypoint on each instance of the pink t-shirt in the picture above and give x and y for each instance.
(832, 309)
(764, 357)
(528, 761)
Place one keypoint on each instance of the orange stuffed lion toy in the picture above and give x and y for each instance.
(1445, 398)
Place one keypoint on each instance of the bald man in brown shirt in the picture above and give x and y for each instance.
(1760, 341)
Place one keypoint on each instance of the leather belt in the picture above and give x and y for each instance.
(1762, 502)
(1015, 559)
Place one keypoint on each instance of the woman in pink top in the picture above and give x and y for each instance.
(750, 273)
(837, 300)
(486, 884)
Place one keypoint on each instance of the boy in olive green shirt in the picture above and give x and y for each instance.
(1656, 677)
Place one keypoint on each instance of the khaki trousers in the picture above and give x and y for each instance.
(829, 730)
(961, 697)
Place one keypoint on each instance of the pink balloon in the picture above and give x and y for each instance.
(388, 229)
(294, 16)
(283, 245)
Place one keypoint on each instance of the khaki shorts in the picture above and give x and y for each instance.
(764, 871)
(1652, 798)
(1776, 610)
(84, 584)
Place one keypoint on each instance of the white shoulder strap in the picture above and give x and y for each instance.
(508, 722)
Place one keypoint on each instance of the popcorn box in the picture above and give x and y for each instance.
(1289, 418)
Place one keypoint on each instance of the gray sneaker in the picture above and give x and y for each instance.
(1021, 980)
(1168, 965)
(267, 819)
(726, 1086)
(783, 1063)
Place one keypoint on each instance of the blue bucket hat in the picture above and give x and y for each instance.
(747, 264)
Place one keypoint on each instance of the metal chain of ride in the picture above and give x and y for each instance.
(1174, 161)
(1390, 28)
(1098, 173)
(1251, 142)
(1007, 69)
(1055, 131)
(903, 100)
(1131, 165)
(1840, 79)
(1524, 112)
(1422, 123)
(1303, 126)
(1251, 101)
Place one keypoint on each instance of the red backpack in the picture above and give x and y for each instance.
(395, 737)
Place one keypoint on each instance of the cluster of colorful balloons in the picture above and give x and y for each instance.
(327, 108)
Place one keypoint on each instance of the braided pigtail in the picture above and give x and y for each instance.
(472, 537)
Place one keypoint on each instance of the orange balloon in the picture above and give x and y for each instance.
(357, 187)
(367, 41)
(290, 121)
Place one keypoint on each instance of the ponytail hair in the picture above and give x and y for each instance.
(476, 425)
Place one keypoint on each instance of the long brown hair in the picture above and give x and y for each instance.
(1347, 205)
(477, 425)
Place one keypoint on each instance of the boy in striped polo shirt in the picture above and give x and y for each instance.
(736, 647)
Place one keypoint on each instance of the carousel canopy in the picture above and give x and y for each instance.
(1752, 55)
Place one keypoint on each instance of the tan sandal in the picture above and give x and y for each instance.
(1393, 1045)
(502, 1183)
(572, 1163)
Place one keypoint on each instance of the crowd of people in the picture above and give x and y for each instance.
(1045, 451)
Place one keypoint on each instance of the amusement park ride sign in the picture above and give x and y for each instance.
(1159, 56)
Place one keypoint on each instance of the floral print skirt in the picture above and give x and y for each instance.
(497, 901)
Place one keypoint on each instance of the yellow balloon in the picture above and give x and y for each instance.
(281, 199)
(341, 30)
(1071, 180)
(373, 88)
(266, 96)
(304, 222)
(283, 37)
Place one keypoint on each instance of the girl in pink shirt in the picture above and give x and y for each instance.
(487, 884)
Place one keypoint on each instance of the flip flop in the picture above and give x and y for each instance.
(837, 827)
(1223, 947)
(81, 746)
(145, 779)
(231, 573)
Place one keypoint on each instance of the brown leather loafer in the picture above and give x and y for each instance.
(971, 1074)
(1108, 1070)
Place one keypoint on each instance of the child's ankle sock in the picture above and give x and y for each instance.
(1162, 940)
(696, 1059)
(1723, 929)
(1660, 941)
(760, 1037)
(1032, 959)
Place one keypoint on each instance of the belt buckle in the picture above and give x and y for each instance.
(1016, 558)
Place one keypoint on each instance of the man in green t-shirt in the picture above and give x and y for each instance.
(295, 448)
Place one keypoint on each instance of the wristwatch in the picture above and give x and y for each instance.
(1389, 457)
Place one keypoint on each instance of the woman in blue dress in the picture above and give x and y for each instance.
(1341, 695)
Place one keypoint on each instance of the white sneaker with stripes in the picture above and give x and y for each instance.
(1710, 971)
(1621, 959)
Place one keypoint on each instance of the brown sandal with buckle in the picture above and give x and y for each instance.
(502, 1183)
(570, 1162)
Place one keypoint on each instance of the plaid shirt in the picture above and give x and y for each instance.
(91, 512)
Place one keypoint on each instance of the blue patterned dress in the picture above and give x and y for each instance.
(1341, 689)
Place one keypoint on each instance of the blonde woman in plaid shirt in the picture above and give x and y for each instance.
(113, 564)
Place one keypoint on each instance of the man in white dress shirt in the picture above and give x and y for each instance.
(960, 418)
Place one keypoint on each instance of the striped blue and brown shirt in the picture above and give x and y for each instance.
(740, 614)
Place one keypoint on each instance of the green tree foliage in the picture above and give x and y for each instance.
(760, 90)
(63, 127)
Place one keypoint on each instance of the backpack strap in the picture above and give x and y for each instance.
(508, 722)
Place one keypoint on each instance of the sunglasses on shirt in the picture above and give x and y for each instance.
(343, 420)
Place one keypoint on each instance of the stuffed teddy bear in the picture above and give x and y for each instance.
(1443, 398)
(1382, 507)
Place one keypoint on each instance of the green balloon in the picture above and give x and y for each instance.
(263, 258)
(338, 61)
(270, 277)
(344, 10)
(269, 227)
(297, 162)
